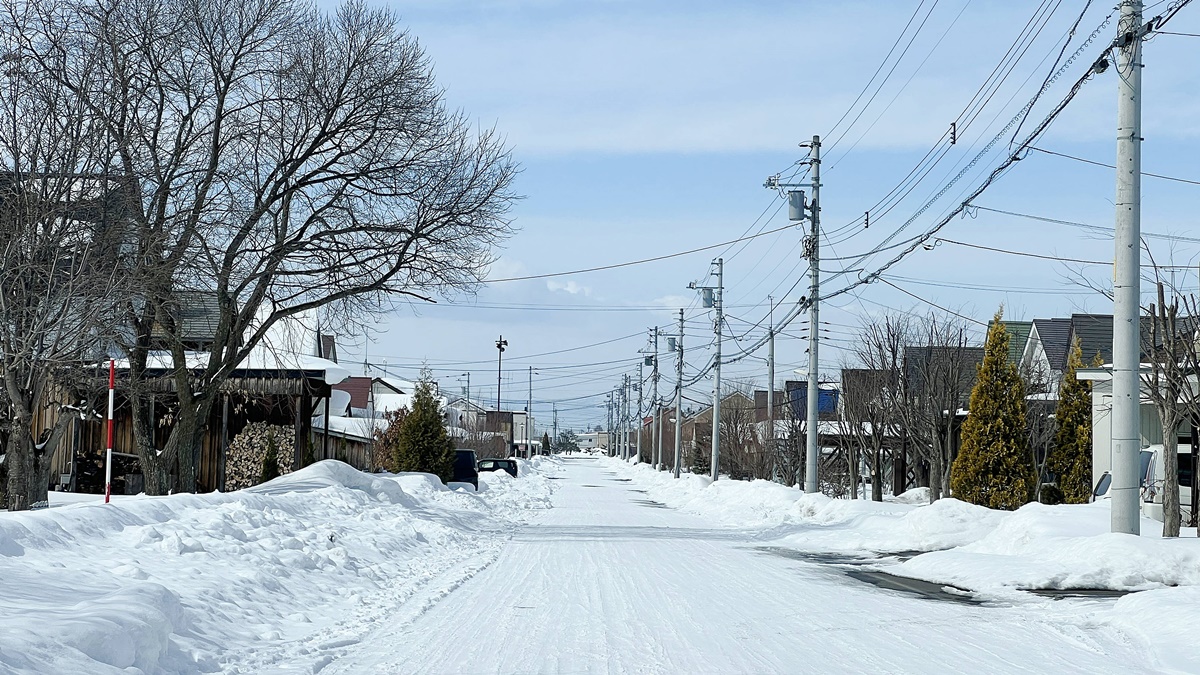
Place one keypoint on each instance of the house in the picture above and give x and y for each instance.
(1151, 433)
(1046, 351)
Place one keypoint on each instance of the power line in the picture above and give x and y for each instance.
(1110, 166)
(639, 262)
(1022, 253)
(932, 304)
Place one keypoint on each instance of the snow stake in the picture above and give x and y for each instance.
(112, 385)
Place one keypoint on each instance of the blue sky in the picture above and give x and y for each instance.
(646, 128)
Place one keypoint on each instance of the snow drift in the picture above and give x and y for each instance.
(228, 582)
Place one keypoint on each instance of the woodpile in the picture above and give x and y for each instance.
(244, 462)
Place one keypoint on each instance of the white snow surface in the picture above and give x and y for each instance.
(235, 582)
(583, 564)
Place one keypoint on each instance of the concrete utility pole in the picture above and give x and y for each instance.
(1126, 421)
(529, 418)
(814, 362)
(640, 416)
(716, 416)
(771, 376)
(656, 418)
(625, 418)
(609, 449)
(798, 210)
(554, 407)
(679, 397)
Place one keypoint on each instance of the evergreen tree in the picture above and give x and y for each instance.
(1071, 459)
(387, 441)
(567, 442)
(270, 463)
(545, 443)
(994, 467)
(422, 443)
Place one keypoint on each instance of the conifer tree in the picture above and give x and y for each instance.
(545, 443)
(1071, 458)
(422, 443)
(994, 467)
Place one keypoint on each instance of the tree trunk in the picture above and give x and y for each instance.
(20, 465)
(947, 459)
(852, 465)
(877, 475)
(935, 475)
(1170, 497)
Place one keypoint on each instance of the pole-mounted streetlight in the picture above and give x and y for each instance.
(500, 345)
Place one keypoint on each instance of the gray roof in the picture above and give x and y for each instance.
(197, 314)
(1095, 335)
(1055, 335)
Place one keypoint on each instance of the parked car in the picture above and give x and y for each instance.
(509, 465)
(1150, 471)
(464, 468)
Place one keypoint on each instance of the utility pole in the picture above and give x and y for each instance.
(640, 416)
(529, 419)
(798, 210)
(554, 407)
(656, 419)
(712, 298)
(679, 397)
(627, 418)
(610, 424)
(621, 398)
(500, 345)
(814, 362)
(771, 377)
(1126, 421)
(718, 301)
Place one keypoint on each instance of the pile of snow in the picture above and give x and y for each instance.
(1062, 547)
(234, 581)
(814, 522)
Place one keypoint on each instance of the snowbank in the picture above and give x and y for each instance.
(816, 522)
(1063, 547)
(201, 583)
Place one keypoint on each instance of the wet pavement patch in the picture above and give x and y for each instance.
(858, 567)
(917, 587)
(829, 558)
(650, 503)
(1077, 593)
(595, 486)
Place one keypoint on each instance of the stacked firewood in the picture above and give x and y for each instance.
(247, 450)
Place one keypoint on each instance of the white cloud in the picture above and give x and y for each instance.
(569, 287)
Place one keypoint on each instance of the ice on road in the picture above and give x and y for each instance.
(607, 581)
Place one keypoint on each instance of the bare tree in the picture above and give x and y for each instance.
(56, 260)
(281, 161)
(741, 449)
(1167, 384)
(871, 396)
(791, 447)
(939, 373)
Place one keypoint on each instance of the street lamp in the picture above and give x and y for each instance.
(500, 345)
(528, 414)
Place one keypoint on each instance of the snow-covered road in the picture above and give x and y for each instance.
(607, 581)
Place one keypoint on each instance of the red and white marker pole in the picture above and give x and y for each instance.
(112, 386)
